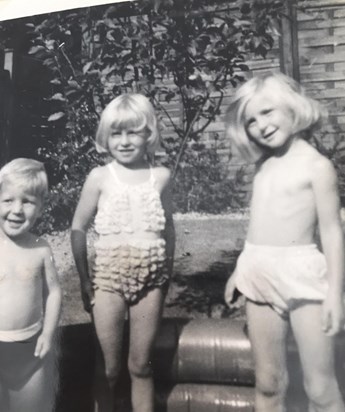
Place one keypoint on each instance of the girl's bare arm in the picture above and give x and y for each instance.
(169, 231)
(85, 210)
(325, 189)
(52, 304)
(82, 217)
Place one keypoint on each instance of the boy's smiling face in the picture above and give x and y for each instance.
(19, 209)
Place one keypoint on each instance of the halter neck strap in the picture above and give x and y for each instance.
(112, 169)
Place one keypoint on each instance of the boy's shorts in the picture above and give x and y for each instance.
(18, 362)
(282, 277)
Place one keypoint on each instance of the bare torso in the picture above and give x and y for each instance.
(283, 211)
(21, 283)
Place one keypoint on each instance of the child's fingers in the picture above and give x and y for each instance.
(336, 326)
(238, 303)
(87, 306)
(88, 303)
(88, 299)
(229, 295)
(229, 290)
(42, 347)
(38, 348)
(326, 321)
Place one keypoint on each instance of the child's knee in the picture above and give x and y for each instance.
(139, 368)
(322, 392)
(272, 384)
(112, 373)
(108, 372)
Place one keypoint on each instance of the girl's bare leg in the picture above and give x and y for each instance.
(108, 315)
(144, 322)
(316, 351)
(267, 333)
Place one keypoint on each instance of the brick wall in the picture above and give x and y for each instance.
(320, 29)
(321, 37)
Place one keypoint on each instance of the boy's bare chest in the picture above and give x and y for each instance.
(20, 264)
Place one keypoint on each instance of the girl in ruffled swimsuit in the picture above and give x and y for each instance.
(134, 248)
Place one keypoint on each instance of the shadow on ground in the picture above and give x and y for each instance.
(76, 371)
(202, 293)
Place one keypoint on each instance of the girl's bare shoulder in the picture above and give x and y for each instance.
(319, 166)
(162, 176)
(98, 175)
(162, 173)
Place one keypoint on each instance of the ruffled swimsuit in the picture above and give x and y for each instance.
(130, 254)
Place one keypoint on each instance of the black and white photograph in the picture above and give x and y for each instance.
(172, 206)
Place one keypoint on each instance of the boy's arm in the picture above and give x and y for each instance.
(52, 305)
(169, 231)
(84, 212)
(325, 188)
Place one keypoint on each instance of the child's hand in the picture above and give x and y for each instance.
(332, 316)
(43, 346)
(229, 295)
(87, 295)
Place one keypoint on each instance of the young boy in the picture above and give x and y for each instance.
(30, 294)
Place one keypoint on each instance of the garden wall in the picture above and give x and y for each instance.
(309, 45)
(321, 38)
(320, 29)
(318, 60)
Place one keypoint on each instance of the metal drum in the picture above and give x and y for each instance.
(204, 351)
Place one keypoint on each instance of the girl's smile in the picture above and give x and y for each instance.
(128, 146)
(268, 123)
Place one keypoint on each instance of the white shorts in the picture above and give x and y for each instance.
(282, 277)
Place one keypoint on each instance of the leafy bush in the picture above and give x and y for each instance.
(202, 183)
(68, 162)
(187, 51)
(335, 151)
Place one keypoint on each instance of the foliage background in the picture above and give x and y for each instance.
(183, 54)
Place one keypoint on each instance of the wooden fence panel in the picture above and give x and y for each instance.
(321, 29)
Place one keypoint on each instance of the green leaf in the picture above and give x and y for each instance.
(73, 83)
(86, 67)
(55, 116)
(55, 81)
(35, 49)
(58, 96)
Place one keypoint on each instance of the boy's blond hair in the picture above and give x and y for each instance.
(307, 112)
(128, 111)
(27, 173)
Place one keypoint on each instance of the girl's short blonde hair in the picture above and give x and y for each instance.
(29, 174)
(128, 111)
(307, 112)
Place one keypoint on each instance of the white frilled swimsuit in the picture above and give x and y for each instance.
(282, 277)
(130, 256)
